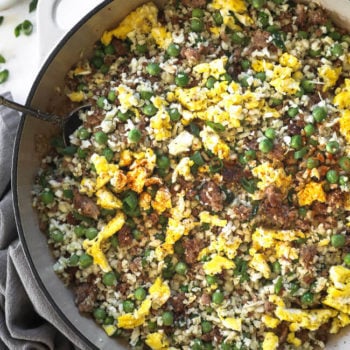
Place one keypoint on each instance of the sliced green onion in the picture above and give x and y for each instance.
(218, 127)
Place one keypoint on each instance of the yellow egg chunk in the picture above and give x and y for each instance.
(292, 339)
(76, 96)
(136, 319)
(329, 75)
(217, 264)
(162, 37)
(270, 322)
(344, 123)
(215, 68)
(159, 293)
(238, 6)
(288, 60)
(214, 220)
(143, 19)
(342, 97)
(270, 342)
(106, 199)
(157, 341)
(162, 200)
(312, 192)
(308, 319)
(93, 247)
(259, 263)
(341, 321)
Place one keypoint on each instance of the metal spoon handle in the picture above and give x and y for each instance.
(28, 110)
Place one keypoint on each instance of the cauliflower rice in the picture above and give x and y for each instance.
(204, 202)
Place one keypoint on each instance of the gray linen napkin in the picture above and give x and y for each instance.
(27, 320)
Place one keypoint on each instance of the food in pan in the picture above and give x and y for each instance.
(204, 202)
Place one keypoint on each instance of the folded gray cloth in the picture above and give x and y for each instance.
(27, 319)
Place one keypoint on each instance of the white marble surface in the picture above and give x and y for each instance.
(25, 54)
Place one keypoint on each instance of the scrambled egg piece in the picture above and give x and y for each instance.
(93, 247)
(136, 319)
(183, 169)
(157, 341)
(162, 200)
(344, 123)
(214, 68)
(143, 19)
(261, 65)
(309, 319)
(259, 264)
(162, 37)
(194, 99)
(269, 175)
(270, 321)
(283, 82)
(159, 293)
(181, 143)
(288, 60)
(232, 323)
(161, 126)
(270, 342)
(109, 329)
(292, 339)
(76, 96)
(106, 199)
(212, 141)
(329, 75)
(338, 293)
(217, 264)
(313, 191)
(213, 220)
(126, 97)
(342, 97)
(341, 321)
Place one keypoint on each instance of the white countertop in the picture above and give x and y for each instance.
(25, 54)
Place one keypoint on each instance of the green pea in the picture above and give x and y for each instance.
(182, 79)
(57, 236)
(174, 114)
(149, 109)
(249, 155)
(210, 82)
(128, 306)
(302, 211)
(207, 326)
(265, 145)
(73, 260)
(108, 320)
(338, 241)
(85, 260)
(123, 117)
(300, 153)
(163, 162)
(82, 87)
(337, 50)
(218, 18)
(47, 197)
(167, 318)
(173, 50)
(217, 297)
(111, 97)
(346, 38)
(296, 142)
(153, 69)
(109, 49)
(245, 64)
(82, 153)
(181, 268)
(114, 242)
(244, 81)
(343, 180)
(307, 85)
(302, 35)
(294, 287)
(134, 135)
(276, 267)
(309, 129)
(146, 95)
(312, 163)
(83, 134)
(275, 102)
(140, 294)
(152, 326)
(197, 12)
(261, 76)
(279, 285)
(197, 25)
(97, 62)
(332, 176)
(184, 288)
(197, 344)
(347, 259)
(258, 3)
(104, 69)
(293, 112)
(101, 138)
(137, 234)
(335, 35)
(79, 231)
(108, 154)
(141, 49)
(314, 53)
(307, 298)
(238, 38)
(91, 232)
(319, 114)
(109, 278)
(344, 163)
(270, 133)
(99, 314)
(332, 147)
(211, 279)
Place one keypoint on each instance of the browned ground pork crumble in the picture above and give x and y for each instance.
(204, 202)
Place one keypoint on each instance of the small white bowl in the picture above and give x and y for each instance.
(5, 4)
